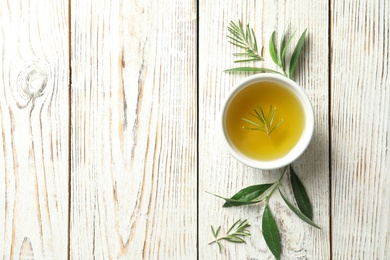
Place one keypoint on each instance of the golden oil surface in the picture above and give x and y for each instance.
(257, 144)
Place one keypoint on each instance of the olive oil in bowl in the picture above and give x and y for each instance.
(291, 114)
(257, 144)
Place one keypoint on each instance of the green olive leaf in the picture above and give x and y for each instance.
(296, 53)
(300, 195)
(232, 202)
(235, 203)
(281, 47)
(272, 49)
(285, 47)
(271, 232)
(297, 212)
(247, 194)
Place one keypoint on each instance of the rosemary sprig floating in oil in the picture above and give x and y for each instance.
(235, 233)
(265, 124)
(246, 40)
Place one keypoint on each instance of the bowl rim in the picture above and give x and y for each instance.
(302, 143)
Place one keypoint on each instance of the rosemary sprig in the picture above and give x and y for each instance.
(265, 123)
(246, 40)
(235, 233)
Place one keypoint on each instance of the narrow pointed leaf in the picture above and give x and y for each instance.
(270, 115)
(276, 126)
(234, 33)
(281, 46)
(234, 203)
(285, 47)
(238, 44)
(255, 129)
(220, 246)
(234, 239)
(235, 223)
(296, 53)
(272, 49)
(246, 33)
(256, 115)
(251, 122)
(262, 117)
(235, 39)
(254, 40)
(244, 224)
(252, 69)
(247, 60)
(271, 232)
(217, 232)
(297, 212)
(300, 195)
(250, 193)
(252, 54)
(242, 234)
(213, 231)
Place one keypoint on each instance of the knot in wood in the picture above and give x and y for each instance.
(31, 82)
(26, 250)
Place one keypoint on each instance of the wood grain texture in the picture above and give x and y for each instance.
(219, 172)
(34, 113)
(360, 129)
(133, 130)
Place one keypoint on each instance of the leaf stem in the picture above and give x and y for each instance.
(275, 185)
(214, 241)
(219, 239)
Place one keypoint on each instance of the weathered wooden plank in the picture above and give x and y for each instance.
(360, 129)
(34, 124)
(133, 130)
(219, 172)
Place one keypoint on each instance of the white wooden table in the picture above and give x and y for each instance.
(108, 118)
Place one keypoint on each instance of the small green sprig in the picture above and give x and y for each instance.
(265, 124)
(235, 233)
(262, 193)
(246, 40)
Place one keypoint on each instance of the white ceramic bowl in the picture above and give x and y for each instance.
(302, 143)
